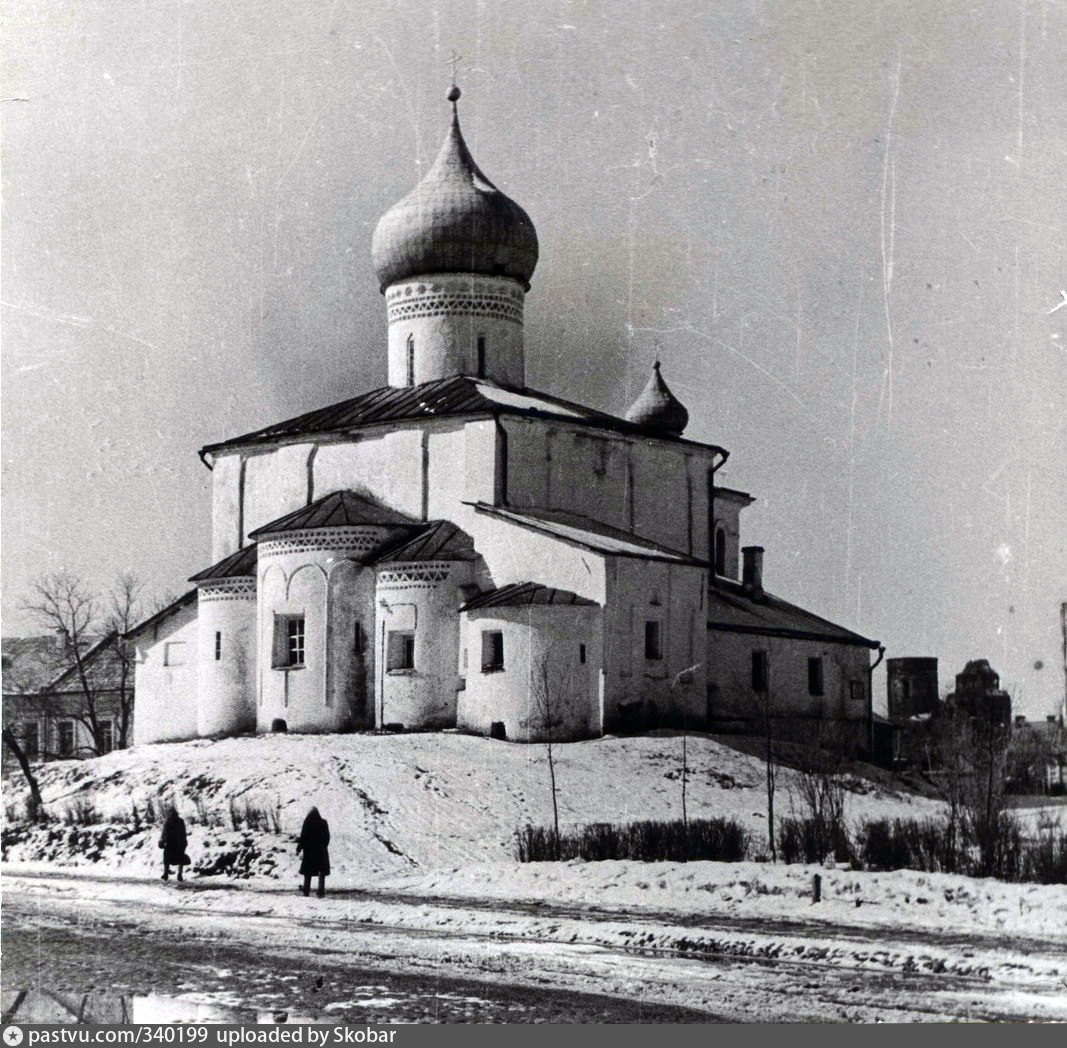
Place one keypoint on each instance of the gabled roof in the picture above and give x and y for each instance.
(734, 609)
(98, 662)
(339, 509)
(455, 397)
(589, 534)
(164, 613)
(236, 565)
(440, 540)
(520, 594)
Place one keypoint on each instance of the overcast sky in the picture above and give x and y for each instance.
(841, 226)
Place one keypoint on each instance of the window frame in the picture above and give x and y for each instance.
(107, 732)
(816, 676)
(857, 691)
(493, 658)
(400, 651)
(283, 648)
(720, 551)
(761, 671)
(409, 360)
(63, 726)
(28, 729)
(654, 645)
(218, 645)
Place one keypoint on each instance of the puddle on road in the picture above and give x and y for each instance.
(370, 1003)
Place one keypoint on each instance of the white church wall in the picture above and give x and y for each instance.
(543, 651)
(640, 669)
(165, 679)
(307, 575)
(617, 479)
(734, 705)
(384, 465)
(517, 554)
(728, 517)
(276, 483)
(350, 645)
(670, 505)
(225, 506)
(226, 645)
(446, 469)
(419, 600)
(482, 464)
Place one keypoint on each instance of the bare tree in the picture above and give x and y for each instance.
(12, 742)
(765, 718)
(549, 692)
(680, 685)
(91, 655)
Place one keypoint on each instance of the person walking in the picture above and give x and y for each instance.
(173, 840)
(314, 843)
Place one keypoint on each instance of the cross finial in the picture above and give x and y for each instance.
(453, 62)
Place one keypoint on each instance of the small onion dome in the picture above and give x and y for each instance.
(454, 221)
(658, 410)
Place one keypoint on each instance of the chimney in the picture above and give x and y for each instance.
(752, 569)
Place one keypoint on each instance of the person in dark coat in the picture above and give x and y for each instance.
(314, 843)
(173, 840)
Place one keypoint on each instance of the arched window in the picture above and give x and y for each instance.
(410, 364)
(720, 551)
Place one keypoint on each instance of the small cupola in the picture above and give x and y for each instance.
(657, 409)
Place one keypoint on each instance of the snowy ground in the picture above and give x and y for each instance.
(425, 887)
(407, 802)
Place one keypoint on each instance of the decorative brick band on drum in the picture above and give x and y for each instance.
(228, 589)
(500, 299)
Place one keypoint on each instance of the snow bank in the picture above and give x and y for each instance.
(399, 803)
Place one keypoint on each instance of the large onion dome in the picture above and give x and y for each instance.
(657, 409)
(454, 221)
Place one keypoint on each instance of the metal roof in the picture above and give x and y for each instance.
(590, 534)
(339, 509)
(454, 397)
(236, 565)
(454, 221)
(520, 594)
(440, 540)
(734, 609)
(171, 609)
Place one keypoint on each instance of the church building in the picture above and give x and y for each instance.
(456, 550)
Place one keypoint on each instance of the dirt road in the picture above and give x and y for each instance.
(407, 959)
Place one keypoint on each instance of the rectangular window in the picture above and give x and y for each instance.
(294, 638)
(358, 639)
(815, 676)
(581, 653)
(856, 691)
(107, 736)
(288, 642)
(174, 653)
(31, 739)
(481, 356)
(218, 645)
(759, 671)
(410, 362)
(65, 738)
(492, 651)
(653, 639)
(401, 650)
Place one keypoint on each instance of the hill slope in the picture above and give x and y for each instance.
(395, 803)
